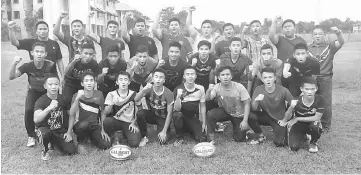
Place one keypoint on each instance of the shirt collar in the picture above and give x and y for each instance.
(323, 44)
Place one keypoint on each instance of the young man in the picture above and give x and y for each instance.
(234, 105)
(238, 62)
(173, 65)
(140, 68)
(173, 35)
(299, 66)
(160, 104)
(284, 43)
(307, 115)
(37, 70)
(206, 30)
(222, 47)
(121, 105)
(50, 110)
(110, 39)
(139, 37)
(254, 41)
(267, 59)
(269, 107)
(89, 104)
(109, 69)
(72, 42)
(325, 52)
(82, 63)
(51, 47)
(189, 106)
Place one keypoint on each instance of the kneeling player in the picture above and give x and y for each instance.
(48, 117)
(120, 103)
(269, 107)
(88, 103)
(160, 102)
(189, 105)
(307, 115)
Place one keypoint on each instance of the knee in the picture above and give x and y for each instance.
(316, 127)
(83, 125)
(70, 149)
(134, 143)
(177, 117)
(107, 122)
(43, 134)
(141, 114)
(210, 114)
(104, 144)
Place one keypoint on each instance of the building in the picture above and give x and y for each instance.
(356, 28)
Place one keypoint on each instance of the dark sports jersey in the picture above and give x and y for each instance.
(158, 103)
(298, 70)
(110, 77)
(74, 75)
(123, 108)
(285, 47)
(190, 99)
(51, 47)
(168, 38)
(89, 108)
(135, 41)
(54, 119)
(240, 68)
(324, 53)
(74, 45)
(37, 77)
(105, 42)
(174, 75)
(319, 105)
(222, 47)
(141, 73)
(204, 68)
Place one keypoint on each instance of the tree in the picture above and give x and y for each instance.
(29, 20)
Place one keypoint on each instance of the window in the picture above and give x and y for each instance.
(9, 16)
(107, 3)
(16, 15)
(16, 1)
(8, 2)
(93, 28)
(40, 1)
(98, 14)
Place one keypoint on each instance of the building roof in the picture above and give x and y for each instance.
(123, 7)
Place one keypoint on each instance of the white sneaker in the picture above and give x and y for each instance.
(144, 141)
(313, 148)
(45, 156)
(220, 127)
(31, 142)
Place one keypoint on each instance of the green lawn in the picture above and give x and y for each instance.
(339, 150)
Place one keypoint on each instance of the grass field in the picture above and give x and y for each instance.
(339, 150)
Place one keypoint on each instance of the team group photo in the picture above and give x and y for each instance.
(171, 87)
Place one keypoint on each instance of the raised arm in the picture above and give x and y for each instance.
(273, 29)
(12, 36)
(57, 31)
(157, 32)
(124, 28)
(14, 73)
(192, 31)
(39, 115)
(340, 40)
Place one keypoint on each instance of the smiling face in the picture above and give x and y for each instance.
(88, 82)
(52, 85)
(123, 82)
(190, 75)
(174, 53)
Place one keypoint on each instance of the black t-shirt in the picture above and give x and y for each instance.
(74, 76)
(204, 69)
(105, 42)
(54, 120)
(74, 45)
(37, 77)
(285, 47)
(136, 41)
(174, 75)
(298, 70)
(110, 77)
(51, 47)
(319, 105)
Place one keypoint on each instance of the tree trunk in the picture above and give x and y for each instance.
(28, 8)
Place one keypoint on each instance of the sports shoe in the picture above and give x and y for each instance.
(220, 127)
(144, 141)
(31, 142)
(178, 142)
(81, 149)
(260, 139)
(45, 155)
(313, 148)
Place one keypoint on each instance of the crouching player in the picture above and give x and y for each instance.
(121, 105)
(160, 102)
(88, 103)
(307, 115)
(189, 105)
(50, 110)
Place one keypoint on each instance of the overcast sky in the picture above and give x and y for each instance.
(237, 11)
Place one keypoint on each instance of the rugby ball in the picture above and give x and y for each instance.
(204, 149)
(120, 152)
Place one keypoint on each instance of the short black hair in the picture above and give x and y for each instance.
(266, 46)
(51, 75)
(41, 22)
(139, 20)
(86, 73)
(235, 39)
(112, 22)
(160, 70)
(288, 20)
(300, 46)
(142, 49)
(189, 67)
(206, 22)
(255, 21)
(222, 68)
(174, 19)
(41, 44)
(227, 24)
(204, 43)
(77, 20)
(123, 73)
(113, 48)
(318, 27)
(309, 80)
(175, 44)
(268, 70)
(87, 46)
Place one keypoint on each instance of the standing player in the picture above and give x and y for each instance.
(121, 105)
(139, 37)
(110, 39)
(50, 110)
(173, 66)
(325, 52)
(189, 105)
(37, 70)
(222, 47)
(173, 35)
(160, 102)
(307, 115)
(109, 69)
(52, 48)
(269, 107)
(89, 103)
(299, 66)
(72, 42)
